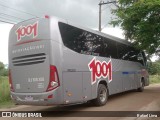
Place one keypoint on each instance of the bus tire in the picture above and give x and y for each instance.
(102, 95)
(141, 88)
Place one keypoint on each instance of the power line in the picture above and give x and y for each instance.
(6, 22)
(11, 16)
(18, 10)
(7, 19)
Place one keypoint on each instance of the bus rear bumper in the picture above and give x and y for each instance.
(39, 99)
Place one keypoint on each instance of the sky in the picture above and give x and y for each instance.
(82, 12)
(4, 34)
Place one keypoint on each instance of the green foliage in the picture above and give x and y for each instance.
(140, 21)
(1, 66)
(5, 99)
(154, 68)
(4, 89)
(3, 70)
(154, 79)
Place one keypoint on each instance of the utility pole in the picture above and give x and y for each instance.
(100, 4)
(100, 11)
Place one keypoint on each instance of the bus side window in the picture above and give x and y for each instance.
(133, 54)
(98, 47)
(123, 51)
(84, 40)
(76, 39)
(110, 48)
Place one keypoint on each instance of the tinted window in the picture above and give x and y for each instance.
(81, 41)
(98, 46)
(110, 48)
(85, 42)
(133, 54)
(76, 39)
(127, 53)
(123, 51)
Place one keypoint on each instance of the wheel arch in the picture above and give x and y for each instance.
(104, 82)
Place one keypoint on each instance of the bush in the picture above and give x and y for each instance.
(5, 99)
(4, 89)
(154, 79)
(3, 70)
(154, 68)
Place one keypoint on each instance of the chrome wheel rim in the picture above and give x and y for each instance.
(103, 95)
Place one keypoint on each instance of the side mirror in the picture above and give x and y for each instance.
(140, 58)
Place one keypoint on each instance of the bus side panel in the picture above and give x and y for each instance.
(71, 79)
(87, 93)
(133, 80)
(125, 76)
(126, 82)
(116, 85)
(72, 84)
(131, 75)
(137, 78)
(76, 77)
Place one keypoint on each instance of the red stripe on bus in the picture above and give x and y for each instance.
(28, 41)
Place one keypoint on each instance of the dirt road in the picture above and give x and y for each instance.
(149, 100)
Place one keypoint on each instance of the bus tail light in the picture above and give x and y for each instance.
(10, 81)
(54, 79)
(47, 16)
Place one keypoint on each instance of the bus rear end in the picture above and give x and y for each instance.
(33, 79)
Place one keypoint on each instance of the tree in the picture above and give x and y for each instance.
(140, 20)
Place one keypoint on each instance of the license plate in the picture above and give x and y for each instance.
(29, 98)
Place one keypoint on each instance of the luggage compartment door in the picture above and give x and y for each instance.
(72, 87)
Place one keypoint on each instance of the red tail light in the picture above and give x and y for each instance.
(54, 79)
(46, 16)
(10, 81)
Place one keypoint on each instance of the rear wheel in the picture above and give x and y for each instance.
(141, 88)
(102, 96)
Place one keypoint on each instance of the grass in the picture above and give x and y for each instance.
(5, 100)
(154, 79)
(7, 104)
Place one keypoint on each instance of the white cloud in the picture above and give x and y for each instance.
(117, 32)
(4, 35)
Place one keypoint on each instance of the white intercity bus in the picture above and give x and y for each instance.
(54, 62)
